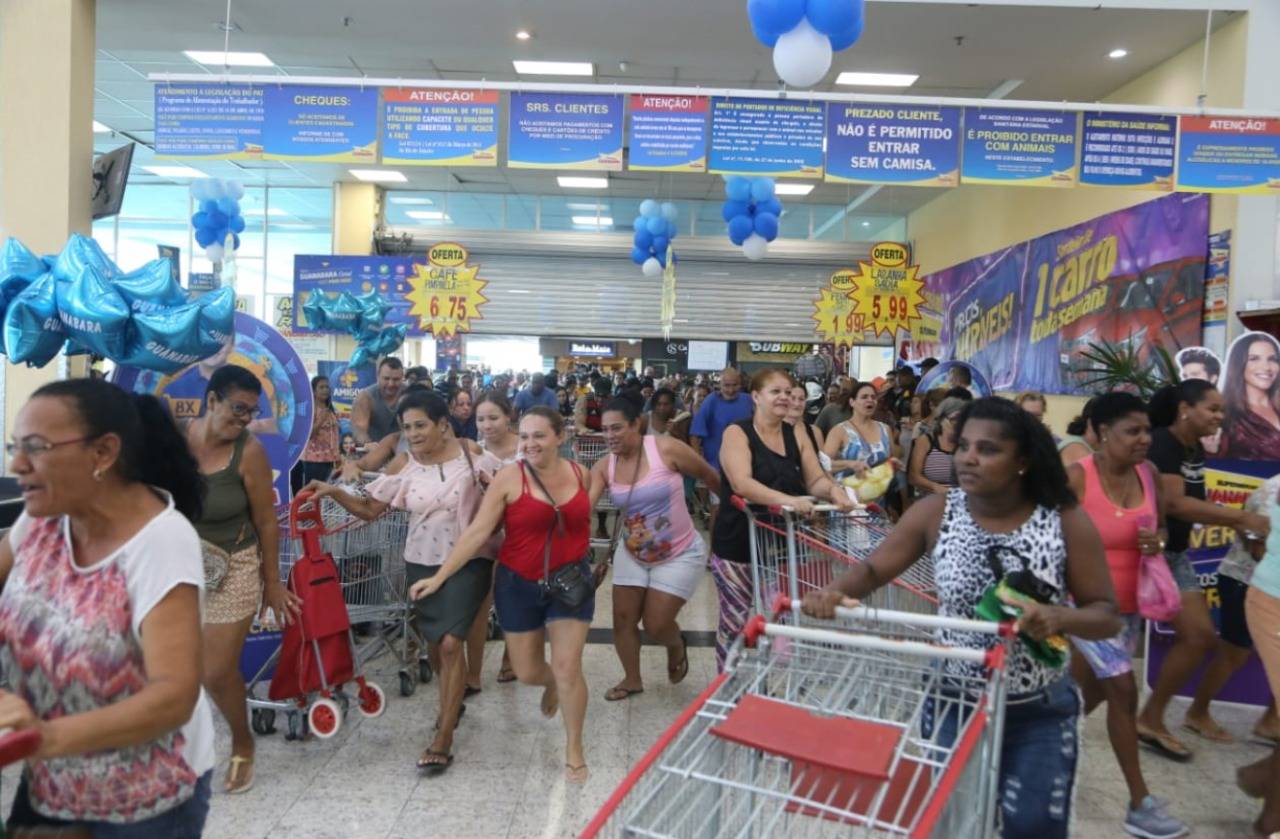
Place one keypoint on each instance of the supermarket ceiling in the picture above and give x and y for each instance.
(957, 49)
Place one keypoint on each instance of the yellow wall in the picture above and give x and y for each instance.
(355, 215)
(973, 220)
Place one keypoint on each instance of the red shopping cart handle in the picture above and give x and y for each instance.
(781, 605)
(18, 745)
(304, 508)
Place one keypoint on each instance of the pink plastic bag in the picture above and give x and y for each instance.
(1158, 596)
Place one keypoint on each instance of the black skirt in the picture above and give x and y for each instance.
(452, 609)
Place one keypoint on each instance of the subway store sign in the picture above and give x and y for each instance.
(775, 351)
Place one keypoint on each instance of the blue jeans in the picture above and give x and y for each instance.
(1037, 760)
(186, 821)
(523, 606)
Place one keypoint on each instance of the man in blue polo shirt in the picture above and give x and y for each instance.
(537, 393)
(719, 410)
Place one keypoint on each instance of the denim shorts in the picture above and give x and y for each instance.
(1184, 573)
(186, 821)
(523, 606)
(1038, 760)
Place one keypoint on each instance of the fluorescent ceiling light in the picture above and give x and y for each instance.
(523, 34)
(99, 128)
(409, 199)
(427, 215)
(218, 58)
(866, 224)
(1119, 52)
(292, 225)
(518, 291)
(258, 211)
(593, 221)
(175, 171)
(793, 189)
(379, 176)
(575, 182)
(877, 79)
(572, 205)
(553, 68)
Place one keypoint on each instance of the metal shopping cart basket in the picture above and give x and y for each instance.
(795, 555)
(829, 729)
(369, 556)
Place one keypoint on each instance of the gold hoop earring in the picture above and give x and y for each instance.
(97, 475)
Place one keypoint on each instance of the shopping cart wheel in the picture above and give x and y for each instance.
(324, 718)
(408, 684)
(296, 725)
(424, 671)
(263, 721)
(372, 700)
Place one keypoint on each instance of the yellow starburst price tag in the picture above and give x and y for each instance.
(445, 293)
(833, 312)
(886, 292)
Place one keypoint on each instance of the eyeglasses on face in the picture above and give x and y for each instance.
(35, 445)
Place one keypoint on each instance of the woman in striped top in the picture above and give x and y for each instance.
(931, 468)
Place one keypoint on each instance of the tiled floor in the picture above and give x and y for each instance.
(508, 777)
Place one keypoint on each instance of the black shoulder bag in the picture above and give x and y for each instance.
(567, 585)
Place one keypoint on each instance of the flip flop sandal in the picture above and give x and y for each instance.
(434, 768)
(681, 670)
(1166, 745)
(1220, 736)
(576, 774)
(233, 775)
(617, 694)
(469, 692)
(505, 675)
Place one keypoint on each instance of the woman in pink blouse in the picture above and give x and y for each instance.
(321, 454)
(440, 482)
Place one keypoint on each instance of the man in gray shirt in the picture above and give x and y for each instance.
(834, 413)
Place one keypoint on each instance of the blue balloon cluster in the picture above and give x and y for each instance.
(655, 229)
(362, 316)
(219, 215)
(752, 211)
(841, 21)
(82, 301)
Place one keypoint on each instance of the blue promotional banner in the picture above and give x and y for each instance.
(284, 419)
(321, 124)
(431, 127)
(1229, 154)
(1019, 148)
(886, 144)
(1023, 314)
(1132, 151)
(216, 121)
(767, 137)
(668, 133)
(565, 131)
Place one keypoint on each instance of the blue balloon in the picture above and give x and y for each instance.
(94, 313)
(362, 356)
(639, 255)
(662, 258)
(217, 320)
(236, 224)
(769, 39)
(228, 206)
(33, 334)
(215, 221)
(649, 208)
(775, 15)
(79, 253)
(761, 189)
(832, 16)
(766, 224)
(737, 188)
(343, 312)
(205, 237)
(660, 244)
(314, 310)
(151, 287)
(671, 229)
(657, 225)
(641, 223)
(208, 205)
(643, 239)
(847, 38)
(740, 227)
(773, 206)
(733, 208)
(17, 260)
(200, 219)
(165, 340)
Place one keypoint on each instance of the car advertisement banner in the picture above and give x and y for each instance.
(1023, 314)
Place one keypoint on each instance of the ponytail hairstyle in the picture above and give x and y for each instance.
(1045, 481)
(1078, 426)
(152, 449)
(624, 405)
(1163, 408)
(1110, 407)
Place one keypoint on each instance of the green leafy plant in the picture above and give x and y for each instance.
(1107, 367)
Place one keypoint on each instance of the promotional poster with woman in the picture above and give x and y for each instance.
(1250, 388)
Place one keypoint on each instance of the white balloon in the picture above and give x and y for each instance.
(215, 188)
(215, 253)
(199, 191)
(756, 247)
(669, 211)
(235, 189)
(802, 56)
(652, 267)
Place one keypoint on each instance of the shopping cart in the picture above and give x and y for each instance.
(856, 727)
(588, 448)
(795, 555)
(369, 558)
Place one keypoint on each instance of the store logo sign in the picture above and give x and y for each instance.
(598, 348)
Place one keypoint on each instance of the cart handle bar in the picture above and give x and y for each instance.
(758, 626)
(1005, 629)
(742, 504)
(305, 509)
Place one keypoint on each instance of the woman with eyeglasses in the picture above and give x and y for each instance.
(1012, 511)
(932, 465)
(238, 532)
(100, 618)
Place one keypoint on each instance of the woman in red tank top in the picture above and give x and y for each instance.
(543, 502)
(1119, 491)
